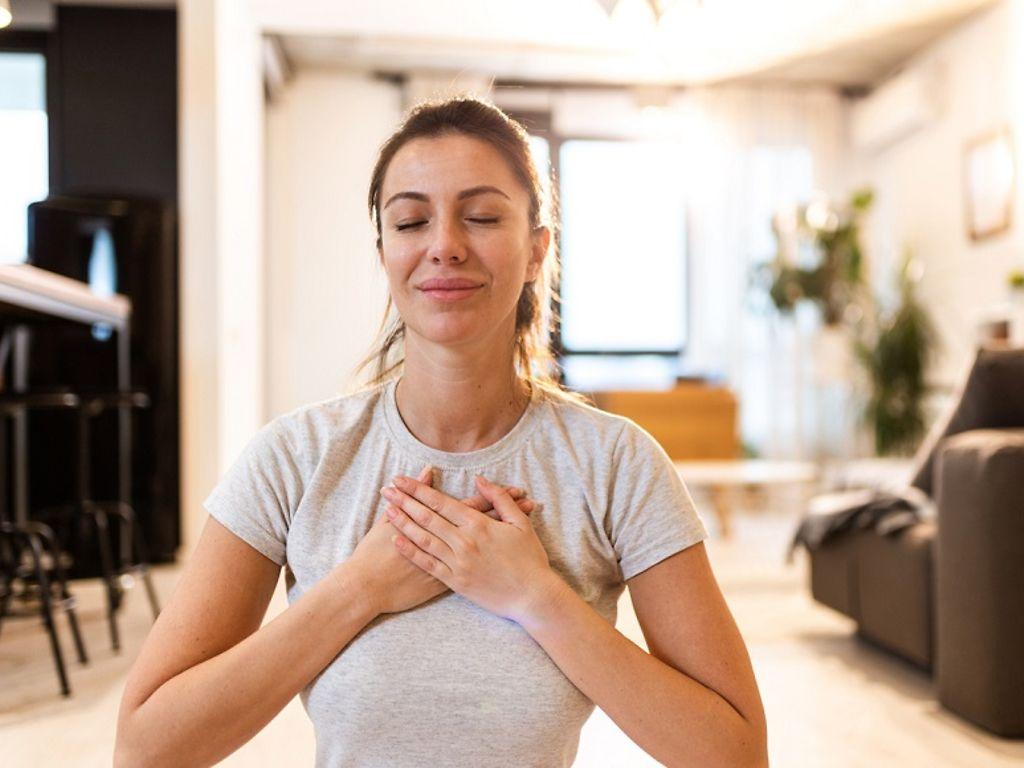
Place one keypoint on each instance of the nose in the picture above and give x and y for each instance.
(447, 244)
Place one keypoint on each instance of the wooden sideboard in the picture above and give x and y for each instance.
(691, 421)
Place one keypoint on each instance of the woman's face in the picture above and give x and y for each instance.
(456, 240)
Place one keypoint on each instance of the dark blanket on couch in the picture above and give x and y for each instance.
(833, 515)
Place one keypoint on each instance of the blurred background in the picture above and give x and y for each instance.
(789, 239)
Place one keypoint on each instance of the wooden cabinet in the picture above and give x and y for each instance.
(691, 420)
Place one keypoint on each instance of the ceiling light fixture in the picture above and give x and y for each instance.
(5, 13)
(658, 7)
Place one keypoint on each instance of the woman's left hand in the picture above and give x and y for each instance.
(499, 565)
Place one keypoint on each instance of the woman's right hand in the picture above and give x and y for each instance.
(395, 583)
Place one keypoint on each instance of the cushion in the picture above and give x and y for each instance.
(991, 397)
(979, 597)
(894, 591)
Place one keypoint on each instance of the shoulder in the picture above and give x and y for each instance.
(585, 423)
(309, 428)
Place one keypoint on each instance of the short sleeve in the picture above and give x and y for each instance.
(651, 513)
(257, 495)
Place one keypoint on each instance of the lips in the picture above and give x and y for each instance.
(449, 288)
(448, 284)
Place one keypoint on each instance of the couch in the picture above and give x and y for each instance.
(947, 593)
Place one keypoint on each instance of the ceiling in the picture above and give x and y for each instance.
(849, 44)
(862, 63)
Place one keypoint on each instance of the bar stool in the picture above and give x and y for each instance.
(68, 518)
(133, 555)
(36, 540)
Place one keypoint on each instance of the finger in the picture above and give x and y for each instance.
(426, 475)
(434, 500)
(478, 502)
(422, 560)
(503, 503)
(418, 535)
(481, 504)
(430, 531)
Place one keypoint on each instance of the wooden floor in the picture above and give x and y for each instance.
(830, 699)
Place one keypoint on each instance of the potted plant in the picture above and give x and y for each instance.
(833, 279)
(1015, 280)
(894, 352)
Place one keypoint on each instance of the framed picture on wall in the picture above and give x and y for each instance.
(989, 174)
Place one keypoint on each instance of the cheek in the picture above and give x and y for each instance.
(397, 267)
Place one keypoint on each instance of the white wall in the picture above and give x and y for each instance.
(325, 290)
(919, 180)
(221, 260)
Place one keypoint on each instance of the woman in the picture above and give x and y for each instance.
(446, 619)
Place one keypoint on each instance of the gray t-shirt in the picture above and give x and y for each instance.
(449, 683)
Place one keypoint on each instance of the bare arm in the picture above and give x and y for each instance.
(208, 677)
(691, 701)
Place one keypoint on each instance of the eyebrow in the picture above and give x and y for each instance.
(471, 192)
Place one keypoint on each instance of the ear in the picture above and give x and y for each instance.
(541, 239)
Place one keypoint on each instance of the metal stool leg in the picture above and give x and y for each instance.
(139, 554)
(100, 521)
(36, 550)
(147, 577)
(7, 570)
(67, 600)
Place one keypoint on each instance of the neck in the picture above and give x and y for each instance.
(458, 401)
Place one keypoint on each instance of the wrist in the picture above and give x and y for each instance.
(542, 604)
(357, 590)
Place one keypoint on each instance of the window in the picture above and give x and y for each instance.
(623, 259)
(540, 148)
(23, 128)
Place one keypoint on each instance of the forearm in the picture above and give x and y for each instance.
(208, 711)
(672, 716)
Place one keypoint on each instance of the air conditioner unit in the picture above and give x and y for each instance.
(898, 108)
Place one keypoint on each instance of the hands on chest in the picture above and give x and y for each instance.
(482, 547)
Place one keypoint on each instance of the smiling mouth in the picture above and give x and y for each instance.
(451, 294)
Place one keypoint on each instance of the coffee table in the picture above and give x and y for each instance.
(722, 478)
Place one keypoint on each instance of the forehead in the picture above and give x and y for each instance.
(443, 165)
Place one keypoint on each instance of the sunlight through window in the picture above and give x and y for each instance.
(23, 148)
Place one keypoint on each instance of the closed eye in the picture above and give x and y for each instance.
(474, 219)
(409, 225)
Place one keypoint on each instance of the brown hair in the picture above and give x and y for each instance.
(478, 119)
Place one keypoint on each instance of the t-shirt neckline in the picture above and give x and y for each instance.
(479, 458)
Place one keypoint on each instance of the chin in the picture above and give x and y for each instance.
(450, 330)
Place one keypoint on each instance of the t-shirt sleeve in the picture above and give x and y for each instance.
(651, 513)
(257, 495)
